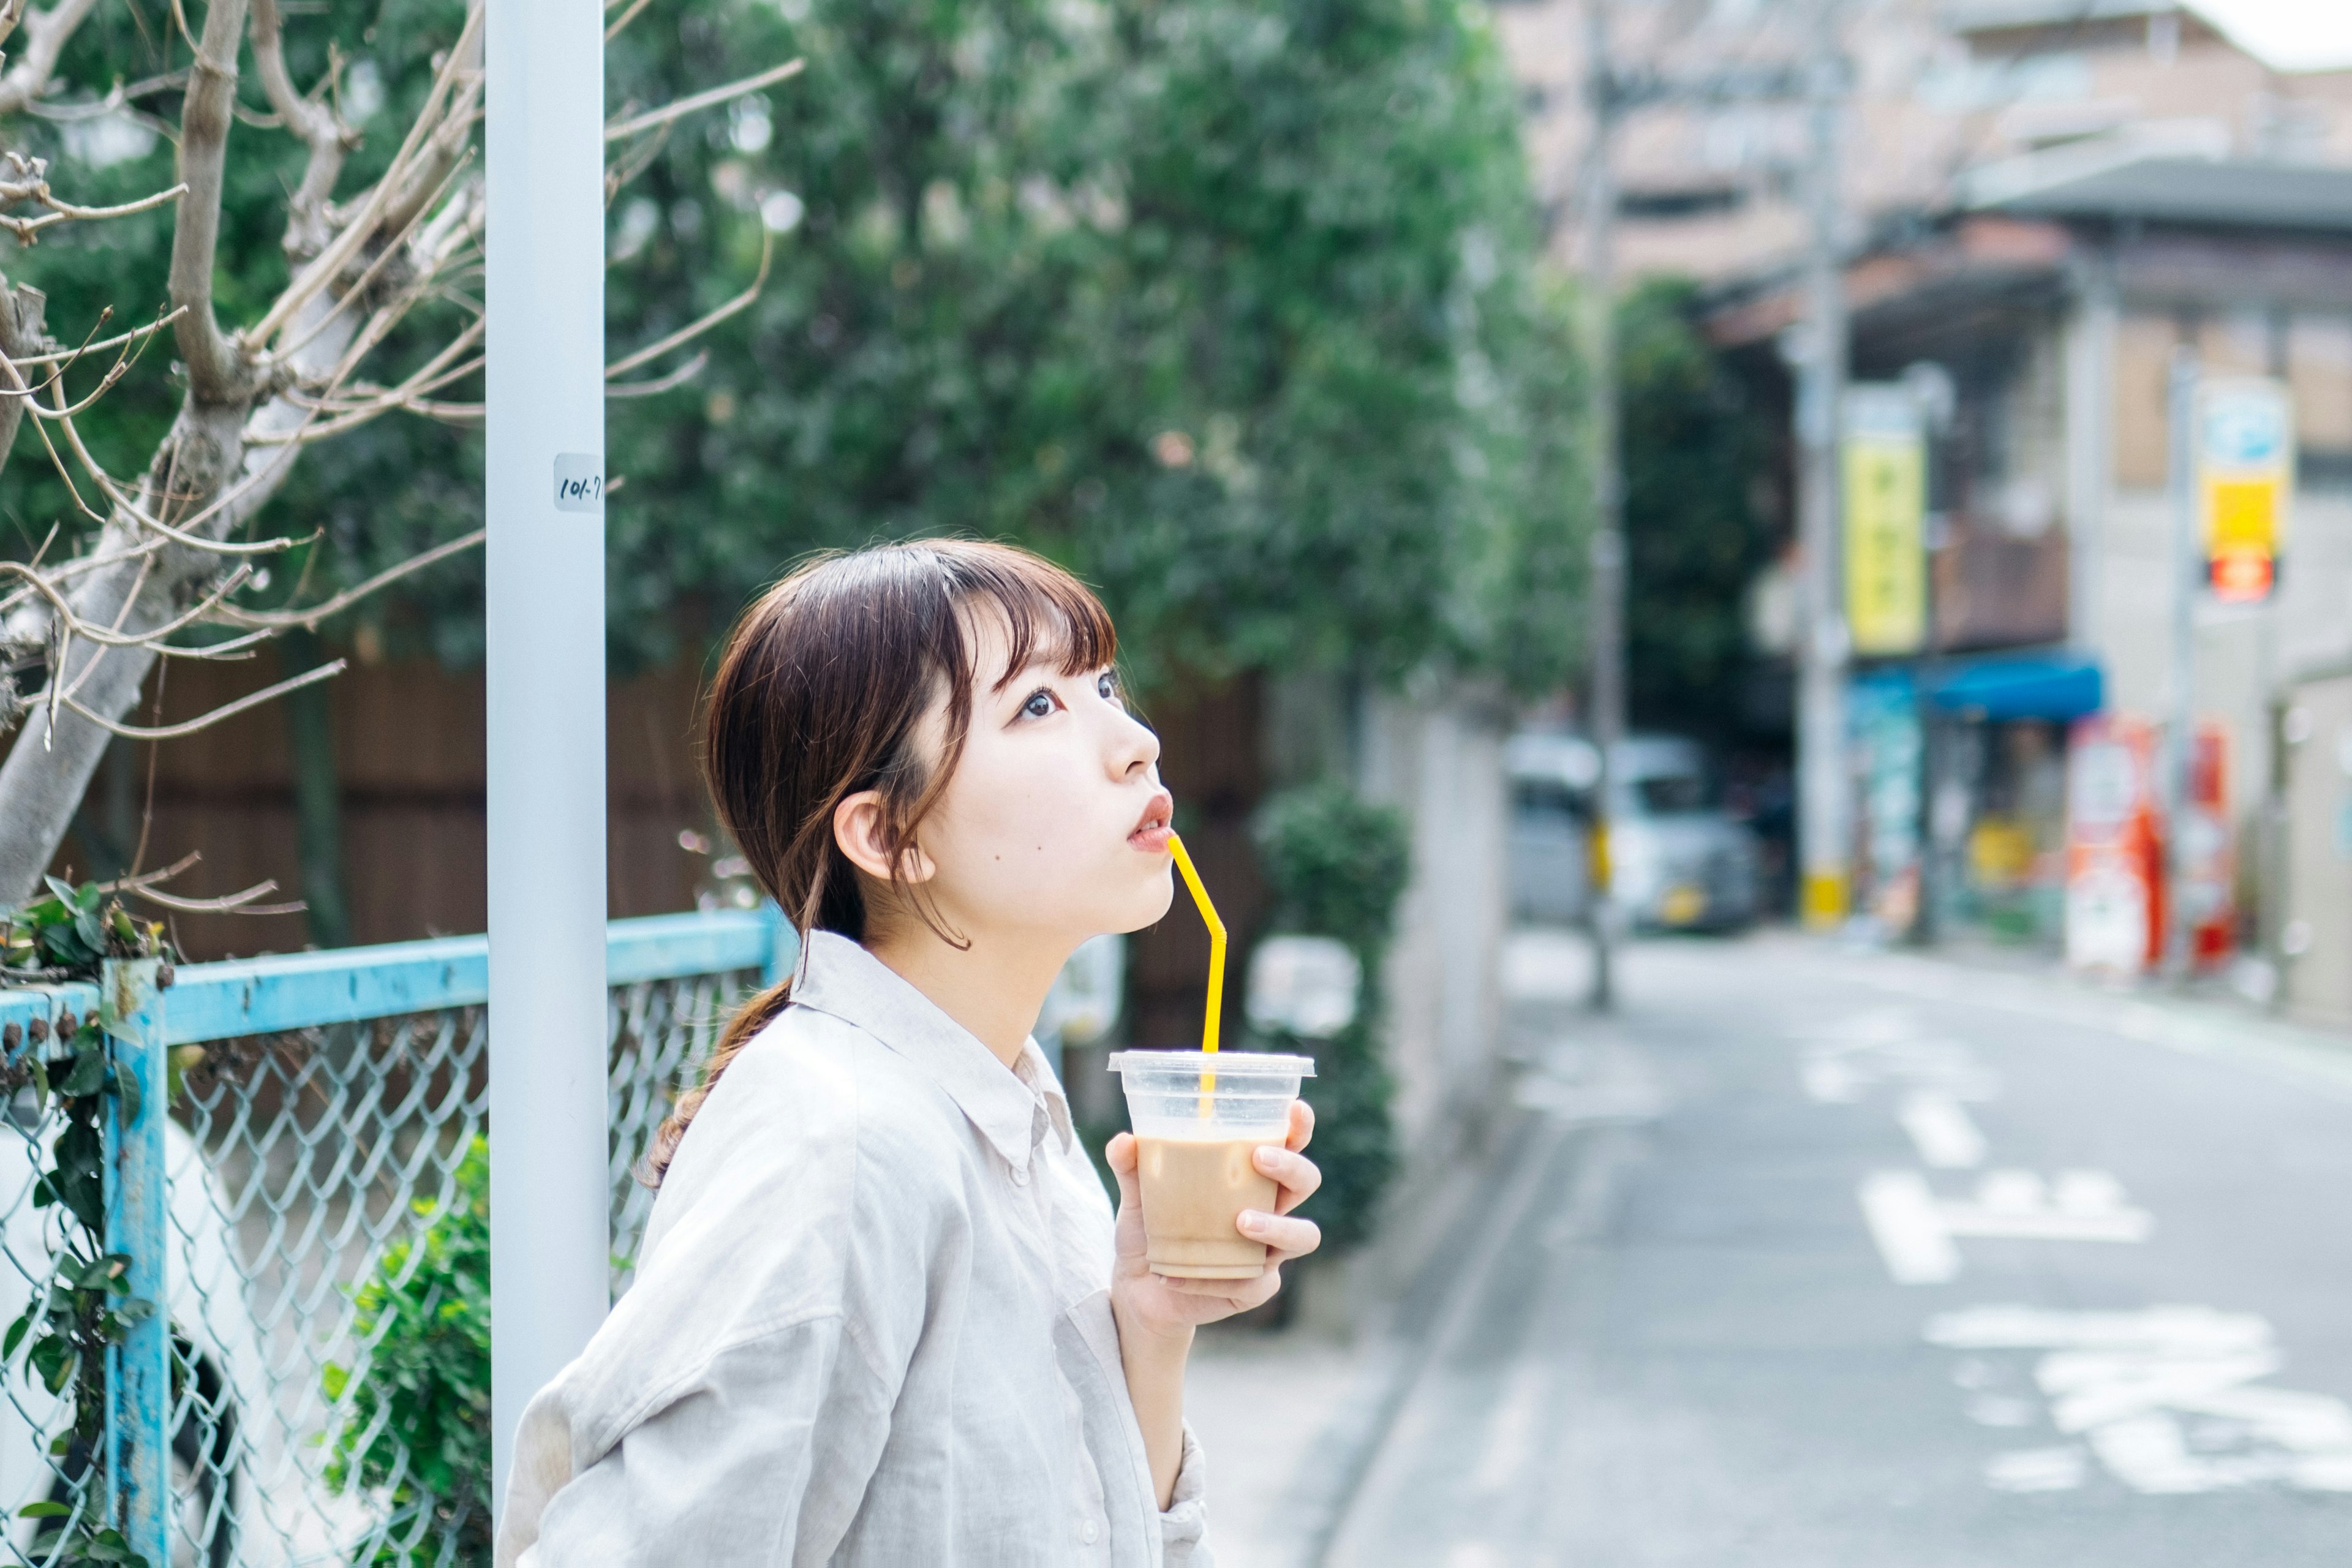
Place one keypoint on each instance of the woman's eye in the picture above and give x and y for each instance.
(1107, 686)
(1039, 706)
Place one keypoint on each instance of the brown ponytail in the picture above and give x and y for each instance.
(820, 693)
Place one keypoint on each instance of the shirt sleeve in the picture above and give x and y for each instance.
(1184, 1527)
(763, 1459)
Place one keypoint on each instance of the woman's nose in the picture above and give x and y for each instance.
(1137, 748)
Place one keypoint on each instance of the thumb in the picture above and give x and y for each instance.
(1120, 1155)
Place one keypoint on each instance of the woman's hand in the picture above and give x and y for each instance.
(1155, 1304)
(1156, 1316)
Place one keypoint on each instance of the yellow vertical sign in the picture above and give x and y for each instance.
(2245, 483)
(1883, 458)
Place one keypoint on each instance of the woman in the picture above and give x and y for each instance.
(884, 1313)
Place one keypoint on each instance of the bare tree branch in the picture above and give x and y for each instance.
(21, 336)
(625, 17)
(206, 721)
(312, 119)
(97, 622)
(679, 377)
(45, 33)
(310, 617)
(218, 373)
(456, 87)
(694, 330)
(621, 129)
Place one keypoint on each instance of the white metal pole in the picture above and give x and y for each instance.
(550, 1232)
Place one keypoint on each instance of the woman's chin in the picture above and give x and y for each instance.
(1150, 906)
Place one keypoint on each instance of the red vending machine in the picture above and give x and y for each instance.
(2114, 881)
(2116, 847)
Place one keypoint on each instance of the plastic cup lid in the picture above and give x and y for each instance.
(1224, 1064)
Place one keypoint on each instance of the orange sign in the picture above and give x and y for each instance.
(2245, 483)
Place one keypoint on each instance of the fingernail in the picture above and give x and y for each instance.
(1250, 1219)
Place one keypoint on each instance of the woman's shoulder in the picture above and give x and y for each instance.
(808, 1101)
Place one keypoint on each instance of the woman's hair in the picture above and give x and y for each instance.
(821, 692)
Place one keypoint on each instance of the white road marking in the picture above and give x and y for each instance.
(1909, 1229)
(1510, 1441)
(2168, 1399)
(2037, 1469)
(1914, 1229)
(1837, 1066)
(1942, 1130)
(1999, 1410)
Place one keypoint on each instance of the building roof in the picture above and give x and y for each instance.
(1966, 16)
(2201, 192)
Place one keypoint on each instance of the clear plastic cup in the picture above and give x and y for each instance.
(1199, 1118)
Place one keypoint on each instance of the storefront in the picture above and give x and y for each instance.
(1990, 825)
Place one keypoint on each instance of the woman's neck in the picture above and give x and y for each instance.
(994, 986)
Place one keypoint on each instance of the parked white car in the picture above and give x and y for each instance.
(1676, 861)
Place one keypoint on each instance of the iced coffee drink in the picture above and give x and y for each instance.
(1200, 1118)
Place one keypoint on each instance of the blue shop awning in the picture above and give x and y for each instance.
(2054, 686)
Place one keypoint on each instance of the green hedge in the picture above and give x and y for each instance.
(1336, 865)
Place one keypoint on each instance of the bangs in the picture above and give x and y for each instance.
(1050, 617)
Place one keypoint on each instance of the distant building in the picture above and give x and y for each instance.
(2048, 198)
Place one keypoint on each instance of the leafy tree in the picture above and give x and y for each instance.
(1229, 305)
(416, 1434)
(1694, 540)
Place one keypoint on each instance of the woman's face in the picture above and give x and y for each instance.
(1054, 825)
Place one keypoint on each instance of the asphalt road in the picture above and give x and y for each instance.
(1813, 1257)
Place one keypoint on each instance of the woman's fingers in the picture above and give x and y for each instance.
(1236, 1295)
(1295, 1174)
(1289, 1237)
(1302, 1124)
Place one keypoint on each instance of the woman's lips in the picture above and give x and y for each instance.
(1151, 832)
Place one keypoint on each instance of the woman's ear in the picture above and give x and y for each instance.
(858, 829)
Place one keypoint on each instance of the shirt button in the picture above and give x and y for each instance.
(1088, 1531)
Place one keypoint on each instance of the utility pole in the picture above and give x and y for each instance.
(2180, 735)
(1823, 814)
(544, 610)
(1607, 583)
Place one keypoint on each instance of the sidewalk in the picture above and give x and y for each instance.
(1289, 1420)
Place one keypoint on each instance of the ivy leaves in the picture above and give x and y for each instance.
(68, 934)
(85, 1307)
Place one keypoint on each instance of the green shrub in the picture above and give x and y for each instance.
(427, 1390)
(1336, 866)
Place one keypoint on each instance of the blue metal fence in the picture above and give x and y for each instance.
(314, 1134)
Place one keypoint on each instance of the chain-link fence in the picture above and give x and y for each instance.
(328, 1240)
(41, 1467)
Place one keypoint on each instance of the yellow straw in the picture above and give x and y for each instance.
(1216, 959)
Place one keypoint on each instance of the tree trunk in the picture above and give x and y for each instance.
(48, 769)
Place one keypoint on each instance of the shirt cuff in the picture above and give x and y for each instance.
(1184, 1527)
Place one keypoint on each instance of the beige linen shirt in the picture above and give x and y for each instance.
(871, 1324)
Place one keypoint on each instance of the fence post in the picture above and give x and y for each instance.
(139, 1384)
(784, 946)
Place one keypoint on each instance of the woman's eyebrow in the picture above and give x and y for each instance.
(1038, 663)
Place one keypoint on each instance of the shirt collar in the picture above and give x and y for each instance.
(1012, 1108)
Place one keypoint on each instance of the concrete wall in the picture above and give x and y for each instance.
(2318, 927)
(1440, 758)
